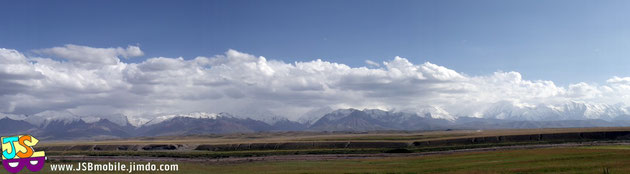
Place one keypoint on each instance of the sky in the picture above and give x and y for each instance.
(545, 40)
(353, 53)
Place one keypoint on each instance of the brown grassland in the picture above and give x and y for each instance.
(274, 137)
(527, 157)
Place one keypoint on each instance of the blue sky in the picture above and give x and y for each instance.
(563, 41)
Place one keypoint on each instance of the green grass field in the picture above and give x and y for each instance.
(593, 159)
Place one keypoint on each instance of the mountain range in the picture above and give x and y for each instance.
(67, 126)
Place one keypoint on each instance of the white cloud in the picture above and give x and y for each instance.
(583, 90)
(621, 80)
(239, 82)
(372, 63)
(84, 54)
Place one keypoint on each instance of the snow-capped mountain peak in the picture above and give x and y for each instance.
(572, 110)
(205, 115)
(13, 116)
(119, 119)
(436, 112)
(312, 116)
(263, 115)
(43, 118)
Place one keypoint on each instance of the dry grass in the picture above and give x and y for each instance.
(278, 137)
(549, 160)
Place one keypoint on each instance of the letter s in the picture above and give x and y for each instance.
(29, 149)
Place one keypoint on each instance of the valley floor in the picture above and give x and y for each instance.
(573, 150)
(565, 159)
(546, 160)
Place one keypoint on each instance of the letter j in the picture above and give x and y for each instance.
(9, 140)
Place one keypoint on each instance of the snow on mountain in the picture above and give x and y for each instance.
(312, 116)
(594, 111)
(435, 112)
(118, 119)
(505, 110)
(338, 114)
(260, 115)
(273, 119)
(206, 115)
(12, 116)
(43, 118)
(389, 116)
(137, 121)
(375, 119)
(567, 111)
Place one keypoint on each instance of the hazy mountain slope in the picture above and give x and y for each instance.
(348, 120)
(490, 123)
(287, 125)
(9, 126)
(373, 119)
(79, 129)
(312, 116)
(217, 125)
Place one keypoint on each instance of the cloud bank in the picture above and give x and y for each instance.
(94, 81)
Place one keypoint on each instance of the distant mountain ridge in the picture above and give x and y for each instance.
(374, 119)
(223, 123)
(568, 111)
(505, 115)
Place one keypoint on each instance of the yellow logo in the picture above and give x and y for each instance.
(17, 152)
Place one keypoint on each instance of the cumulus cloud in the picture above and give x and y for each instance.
(243, 83)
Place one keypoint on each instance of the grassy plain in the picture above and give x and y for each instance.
(275, 137)
(550, 160)
(583, 159)
(593, 159)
